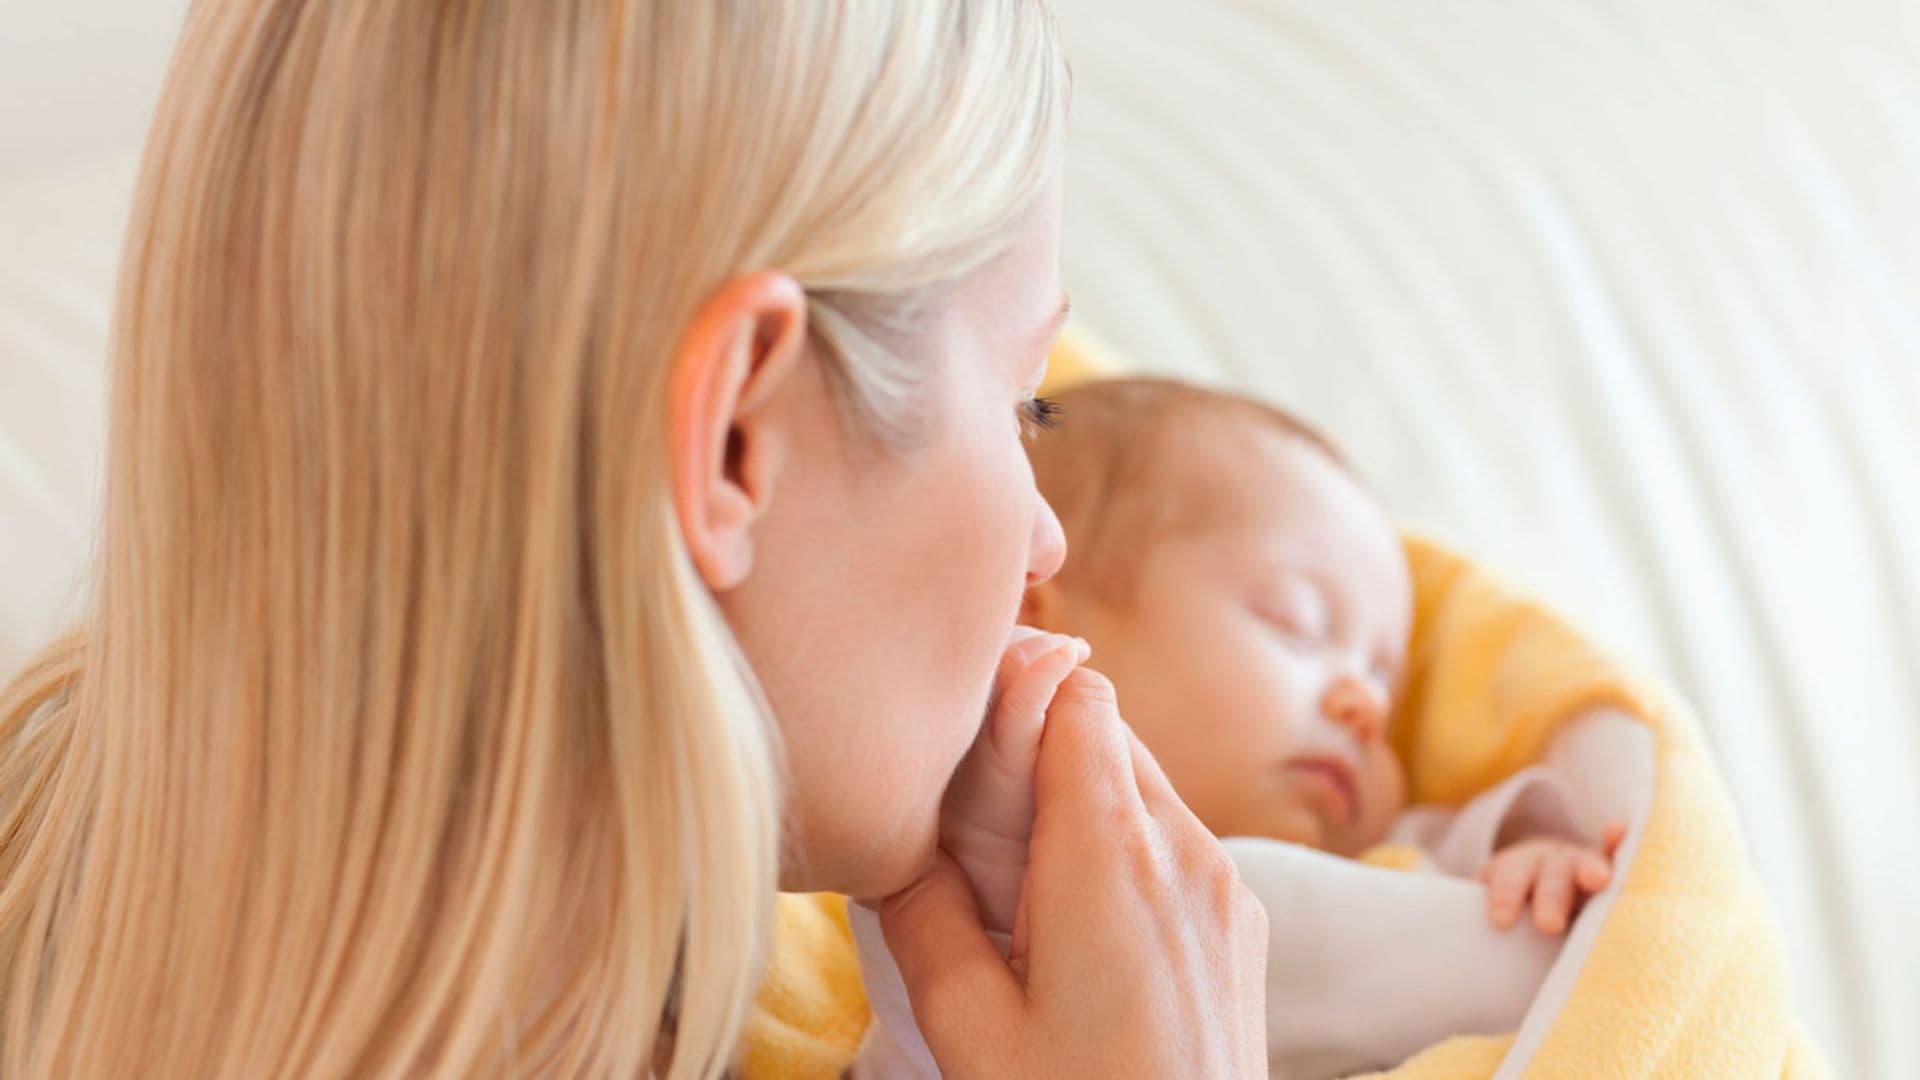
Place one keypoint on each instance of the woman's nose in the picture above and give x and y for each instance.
(1047, 549)
(1357, 705)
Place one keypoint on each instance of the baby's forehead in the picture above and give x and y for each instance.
(1233, 471)
(1140, 463)
(1277, 497)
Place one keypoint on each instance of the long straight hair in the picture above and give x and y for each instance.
(400, 736)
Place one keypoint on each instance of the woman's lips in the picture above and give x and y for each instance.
(1335, 777)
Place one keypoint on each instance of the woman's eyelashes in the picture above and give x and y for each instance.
(1038, 414)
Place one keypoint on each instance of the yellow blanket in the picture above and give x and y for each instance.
(1687, 976)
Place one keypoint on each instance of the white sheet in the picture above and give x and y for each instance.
(1623, 295)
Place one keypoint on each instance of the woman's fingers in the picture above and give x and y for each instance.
(1156, 791)
(1085, 769)
(1136, 949)
(954, 975)
(1131, 906)
(1017, 947)
(987, 817)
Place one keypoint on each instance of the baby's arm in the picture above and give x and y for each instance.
(1366, 966)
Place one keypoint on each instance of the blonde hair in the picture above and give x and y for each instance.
(401, 736)
(1113, 468)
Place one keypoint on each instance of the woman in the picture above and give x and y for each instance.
(564, 484)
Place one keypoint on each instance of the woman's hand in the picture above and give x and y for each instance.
(1137, 951)
(986, 821)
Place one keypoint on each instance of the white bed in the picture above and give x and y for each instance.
(1622, 295)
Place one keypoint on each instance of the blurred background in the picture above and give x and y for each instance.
(1620, 296)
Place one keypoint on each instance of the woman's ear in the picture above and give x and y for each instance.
(727, 446)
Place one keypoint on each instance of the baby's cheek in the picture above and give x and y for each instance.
(1388, 795)
(1393, 782)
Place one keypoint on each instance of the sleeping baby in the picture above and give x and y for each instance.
(1250, 601)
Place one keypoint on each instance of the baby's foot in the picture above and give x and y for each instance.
(987, 819)
(1557, 876)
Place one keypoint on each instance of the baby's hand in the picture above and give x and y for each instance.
(1559, 874)
(987, 819)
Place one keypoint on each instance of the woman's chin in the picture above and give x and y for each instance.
(869, 865)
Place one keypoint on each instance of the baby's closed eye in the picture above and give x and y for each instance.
(1296, 608)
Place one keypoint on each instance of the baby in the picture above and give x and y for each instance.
(1251, 604)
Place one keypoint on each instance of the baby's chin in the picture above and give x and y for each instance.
(1296, 822)
(1352, 843)
(1357, 838)
(1273, 819)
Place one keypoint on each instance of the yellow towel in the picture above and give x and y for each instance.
(812, 1011)
(1687, 977)
(1078, 356)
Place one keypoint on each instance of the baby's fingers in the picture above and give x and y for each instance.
(1553, 893)
(1612, 836)
(1509, 877)
(1592, 872)
(1033, 672)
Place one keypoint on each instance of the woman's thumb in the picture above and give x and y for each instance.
(962, 991)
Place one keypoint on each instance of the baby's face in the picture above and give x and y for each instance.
(1259, 655)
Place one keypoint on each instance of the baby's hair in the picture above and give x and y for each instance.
(1109, 468)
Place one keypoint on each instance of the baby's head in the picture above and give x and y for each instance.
(1247, 596)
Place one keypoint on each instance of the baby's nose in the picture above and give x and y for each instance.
(1357, 705)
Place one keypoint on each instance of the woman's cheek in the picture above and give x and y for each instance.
(980, 506)
(1003, 510)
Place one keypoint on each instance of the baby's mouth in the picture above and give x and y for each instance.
(1335, 780)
